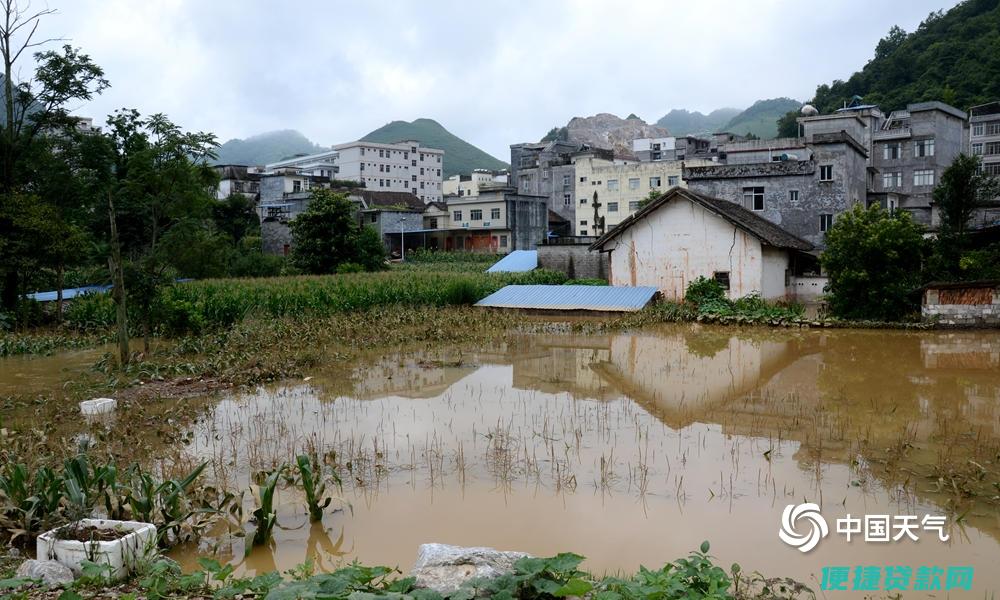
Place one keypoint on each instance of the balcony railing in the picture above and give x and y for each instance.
(892, 134)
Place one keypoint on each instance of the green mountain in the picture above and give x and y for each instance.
(459, 156)
(953, 56)
(682, 122)
(761, 119)
(265, 148)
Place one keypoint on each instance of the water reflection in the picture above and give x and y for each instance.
(631, 448)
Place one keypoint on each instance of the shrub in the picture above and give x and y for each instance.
(703, 290)
(586, 282)
(873, 259)
(350, 267)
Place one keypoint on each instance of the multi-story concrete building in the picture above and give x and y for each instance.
(608, 190)
(497, 219)
(285, 192)
(468, 185)
(546, 169)
(671, 148)
(802, 189)
(237, 179)
(910, 151)
(401, 167)
(984, 136)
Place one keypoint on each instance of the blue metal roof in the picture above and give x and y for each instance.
(517, 261)
(570, 297)
(68, 294)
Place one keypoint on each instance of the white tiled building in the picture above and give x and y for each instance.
(399, 167)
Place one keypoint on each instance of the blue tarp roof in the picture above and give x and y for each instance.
(69, 294)
(570, 297)
(517, 261)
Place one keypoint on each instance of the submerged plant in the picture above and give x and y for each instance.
(264, 516)
(314, 486)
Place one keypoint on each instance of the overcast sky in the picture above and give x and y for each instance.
(493, 73)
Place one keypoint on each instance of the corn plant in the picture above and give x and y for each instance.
(264, 516)
(314, 485)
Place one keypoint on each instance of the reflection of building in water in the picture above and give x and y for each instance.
(678, 376)
(410, 377)
(961, 350)
(565, 364)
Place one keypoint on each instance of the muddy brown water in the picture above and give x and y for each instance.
(632, 448)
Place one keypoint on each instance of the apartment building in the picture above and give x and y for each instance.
(671, 148)
(910, 151)
(608, 190)
(984, 135)
(400, 167)
(468, 185)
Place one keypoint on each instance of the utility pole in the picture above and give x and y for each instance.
(402, 240)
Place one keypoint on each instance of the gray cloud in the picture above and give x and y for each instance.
(492, 72)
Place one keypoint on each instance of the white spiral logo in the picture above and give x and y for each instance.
(817, 526)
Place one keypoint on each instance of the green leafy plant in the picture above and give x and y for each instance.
(314, 482)
(264, 516)
(703, 290)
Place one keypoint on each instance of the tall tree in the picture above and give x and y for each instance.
(33, 108)
(162, 190)
(963, 189)
(326, 234)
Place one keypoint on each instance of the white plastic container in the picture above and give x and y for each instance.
(98, 406)
(122, 555)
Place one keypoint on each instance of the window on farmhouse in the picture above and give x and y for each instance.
(494, 213)
(723, 278)
(793, 195)
(633, 206)
(753, 198)
(892, 179)
(476, 214)
(567, 199)
(673, 180)
(633, 183)
(503, 241)
(826, 172)
(612, 184)
(654, 182)
(612, 207)
(457, 215)
(890, 151)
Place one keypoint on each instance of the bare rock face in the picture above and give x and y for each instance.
(445, 568)
(49, 572)
(605, 130)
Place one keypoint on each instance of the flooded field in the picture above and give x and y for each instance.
(629, 448)
(632, 448)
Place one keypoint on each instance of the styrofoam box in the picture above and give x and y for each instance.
(122, 554)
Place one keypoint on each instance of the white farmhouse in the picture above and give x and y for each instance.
(683, 235)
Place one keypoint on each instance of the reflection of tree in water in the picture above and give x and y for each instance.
(706, 343)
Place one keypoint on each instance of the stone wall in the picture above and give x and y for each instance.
(574, 260)
(984, 312)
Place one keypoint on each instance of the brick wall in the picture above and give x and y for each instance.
(979, 307)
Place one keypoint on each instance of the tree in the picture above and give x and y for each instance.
(652, 195)
(370, 250)
(236, 218)
(964, 187)
(325, 234)
(161, 192)
(873, 260)
(33, 108)
(788, 125)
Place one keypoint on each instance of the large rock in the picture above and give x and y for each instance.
(445, 568)
(49, 572)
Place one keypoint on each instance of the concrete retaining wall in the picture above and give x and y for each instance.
(574, 260)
